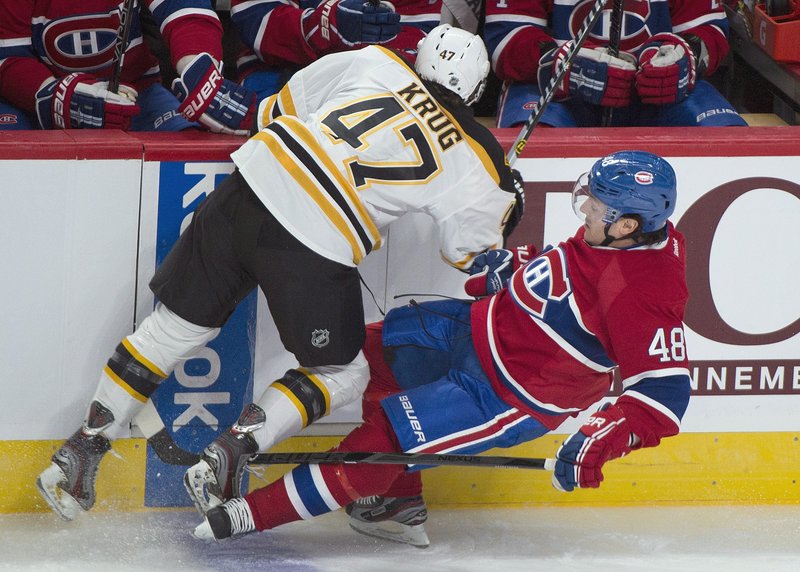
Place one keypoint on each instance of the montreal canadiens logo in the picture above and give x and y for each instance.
(636, 23)
(644, 178)
(81, 43)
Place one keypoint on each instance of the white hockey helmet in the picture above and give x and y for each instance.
(454, 59)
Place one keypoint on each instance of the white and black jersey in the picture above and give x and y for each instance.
(355, 140)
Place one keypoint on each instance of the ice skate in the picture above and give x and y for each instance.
(217, 477)
(68, 483)
(230, 519)
(400, 519)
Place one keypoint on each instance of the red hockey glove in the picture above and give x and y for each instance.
(580, 459)
(340, 24)
(595, 76)
(667, 70)
(81, 101)
(213, 101)
(491, 270)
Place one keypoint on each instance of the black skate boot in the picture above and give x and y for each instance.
(68, 483)
(400, 519)
(217, 477)
(230, 519)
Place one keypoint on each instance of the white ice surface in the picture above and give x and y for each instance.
(575, 539)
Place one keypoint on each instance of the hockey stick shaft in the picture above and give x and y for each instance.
(319, 458)
(615, 35)
(561, 69)
(125, 21)
(150, 423)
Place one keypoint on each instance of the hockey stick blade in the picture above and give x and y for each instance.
(152, 426)
(168, 451)
(319, 458)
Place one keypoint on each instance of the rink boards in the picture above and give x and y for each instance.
(88, 216)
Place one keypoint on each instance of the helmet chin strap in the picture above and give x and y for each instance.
(609, 239)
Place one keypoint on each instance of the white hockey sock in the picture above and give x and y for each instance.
(304, 395)
(143, 360)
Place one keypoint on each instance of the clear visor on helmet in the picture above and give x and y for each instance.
(589, 208)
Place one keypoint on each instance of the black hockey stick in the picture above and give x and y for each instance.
(549, 92)
(164, 446)
(319, 458)
(152, 426)
(615, 35)
(124, 32)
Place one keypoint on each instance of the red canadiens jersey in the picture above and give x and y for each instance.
(550, 341)
(514, 29)
(271, 28)
(44, 38)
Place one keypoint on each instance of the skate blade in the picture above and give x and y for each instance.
(203, 532)
(62, 504)
(414, 535)
(196, 481)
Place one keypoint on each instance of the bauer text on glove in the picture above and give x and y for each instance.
(81, 101)
(208, 98)
(341, 24)
(580, 459)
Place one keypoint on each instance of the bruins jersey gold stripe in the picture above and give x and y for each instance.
(275, 106)
(300, 155)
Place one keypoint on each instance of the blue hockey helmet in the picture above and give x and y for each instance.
(630, 182)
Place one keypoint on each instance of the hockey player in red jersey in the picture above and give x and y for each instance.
(350, 144)
(665, 50)
(282, 37)
(56, 58)
(460, 377)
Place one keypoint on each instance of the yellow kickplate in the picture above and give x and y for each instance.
(693, 467)
(120, 483)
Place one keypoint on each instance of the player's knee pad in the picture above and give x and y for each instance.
(133, 372)
(143, 360)
(317, 391)
(345, 383)
(164, 339)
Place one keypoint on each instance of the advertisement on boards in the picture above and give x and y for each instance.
(204, 395)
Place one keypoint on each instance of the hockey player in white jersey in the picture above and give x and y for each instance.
(351, 143)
